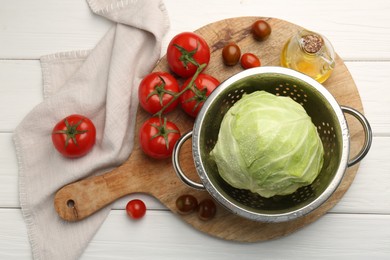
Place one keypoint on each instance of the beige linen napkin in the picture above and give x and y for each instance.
(102, 85)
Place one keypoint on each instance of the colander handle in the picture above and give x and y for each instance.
(367, 134)
(176, 163)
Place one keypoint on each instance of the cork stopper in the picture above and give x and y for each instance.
(312, 43)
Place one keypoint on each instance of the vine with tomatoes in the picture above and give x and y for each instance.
(188, 54)
(159, 93)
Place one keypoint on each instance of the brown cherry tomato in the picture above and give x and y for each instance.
(261, 30)
(249, 60)
(186, 204)
(207, 209)
(231, 54)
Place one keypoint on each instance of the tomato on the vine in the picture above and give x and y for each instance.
(158, 136)
(186, 51)
(74, 136)
(136, 209)
(249, 60)
(192, 100)
(156, 90)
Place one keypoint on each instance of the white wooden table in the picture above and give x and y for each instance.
(357, 228)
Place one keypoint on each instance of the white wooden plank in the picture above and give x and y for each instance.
(21, 90)
(370, 190)
(9, 196)
(340, 236)
(13, 238)
(29, 29)
(161, 235)
(169, 239)
(371, 178)
(372, 80)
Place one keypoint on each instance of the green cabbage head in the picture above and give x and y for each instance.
(268, 144)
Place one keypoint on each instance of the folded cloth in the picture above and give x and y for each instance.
(102, 85)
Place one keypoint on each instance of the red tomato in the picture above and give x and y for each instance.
(192, 100)
(249, 60)
(74, 136)
(157, 137)
(156, 90)
(136, 209)
(186, 52)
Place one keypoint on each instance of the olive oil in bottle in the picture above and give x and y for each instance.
(309, 53)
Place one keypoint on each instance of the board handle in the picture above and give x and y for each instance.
(79, 200)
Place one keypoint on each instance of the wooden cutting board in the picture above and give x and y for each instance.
(157, 178)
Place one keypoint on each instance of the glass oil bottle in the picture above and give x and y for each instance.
(309, 53)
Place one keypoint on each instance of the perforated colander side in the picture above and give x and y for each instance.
(326, 116)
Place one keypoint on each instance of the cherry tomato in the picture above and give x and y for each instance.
(207, 209)
(74, 136)
(249, 60)
(261, 30)
(231, 54)
(192, 100)
(185, 52)
(186, 204)
(156, 90)
(136, 209)
(158, 136)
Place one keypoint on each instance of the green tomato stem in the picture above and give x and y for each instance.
(188, 56)
(163, 131)
(175, 97)
(71, 132)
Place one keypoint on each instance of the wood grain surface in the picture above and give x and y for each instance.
(157, 178)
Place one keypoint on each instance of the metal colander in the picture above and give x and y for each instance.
(326, 115)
